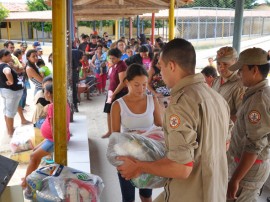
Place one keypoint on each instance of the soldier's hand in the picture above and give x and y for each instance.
(233, 187)
(130, 168)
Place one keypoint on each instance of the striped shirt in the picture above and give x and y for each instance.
(232, 91)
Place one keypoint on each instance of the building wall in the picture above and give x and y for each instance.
(15, 31)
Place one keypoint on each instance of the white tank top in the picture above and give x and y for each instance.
(131, 121)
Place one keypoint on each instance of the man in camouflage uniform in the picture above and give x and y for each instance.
(251, 133)
(228, 84)
(196, 127)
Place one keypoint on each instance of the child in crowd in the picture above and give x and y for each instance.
(129, 51)
(41, 104)
(47, 146)
(43, 69)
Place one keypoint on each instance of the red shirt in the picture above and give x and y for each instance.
(114, 77)
(46, 130)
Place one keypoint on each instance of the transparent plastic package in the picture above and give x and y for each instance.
(60, 183)
(148, 146)
(22, 139)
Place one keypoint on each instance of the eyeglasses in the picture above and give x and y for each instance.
(106, 36)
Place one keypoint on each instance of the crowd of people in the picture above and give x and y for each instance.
(215, 123)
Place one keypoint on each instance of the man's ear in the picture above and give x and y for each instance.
(172, 66)
(255, 70)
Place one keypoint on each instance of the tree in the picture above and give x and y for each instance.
(105, 23)
(3, 12)
(39, 5)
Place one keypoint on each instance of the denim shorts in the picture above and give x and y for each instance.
(10, 101)
(48, 146)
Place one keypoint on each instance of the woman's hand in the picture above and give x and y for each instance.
(9, 83)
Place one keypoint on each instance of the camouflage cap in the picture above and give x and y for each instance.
(251, 56)
(225, 54)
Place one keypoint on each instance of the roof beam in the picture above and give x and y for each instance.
(106, 11)
(159, 2)
(83, 2)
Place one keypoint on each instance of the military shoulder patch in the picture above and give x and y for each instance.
(174, 121)
(254, 117)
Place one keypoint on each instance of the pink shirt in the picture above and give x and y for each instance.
(46, 129)
(147, 63)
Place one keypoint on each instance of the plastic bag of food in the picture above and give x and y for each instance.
(22, 139)
(148, 146)
(60, 183)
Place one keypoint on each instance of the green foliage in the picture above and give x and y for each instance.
(105, 23)
(39, 5)
(3, 12)
(248, 4)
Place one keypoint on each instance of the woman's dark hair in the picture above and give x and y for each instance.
(101, 46)
(30, 52)
(47, 78)
(4, 52)
(40, 63)
(143, 49)
(17, 52)
(161, 45)
(49, 88)
(115, 52)
(154, 63)
(30, 64)
(135, 70)
(49, 58)
(159, 40)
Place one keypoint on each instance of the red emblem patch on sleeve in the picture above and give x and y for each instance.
(174, 121)
(254, 117)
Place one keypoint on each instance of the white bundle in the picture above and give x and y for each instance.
(148, 146)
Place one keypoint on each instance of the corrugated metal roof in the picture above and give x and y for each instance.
(189, 12)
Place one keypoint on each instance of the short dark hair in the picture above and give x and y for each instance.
(135, 70)
(263, 69)
(4, 52)
(115, 52)
(181, 52)
(40, 62)
(143, 49)
(159, 40)
(17, 52)
(49, 88)
(120, 40)
(209, 71)
(127, 47)
(47, 78)
(7, 43)
(99, 46)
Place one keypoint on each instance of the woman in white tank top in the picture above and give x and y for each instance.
(136, 111)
